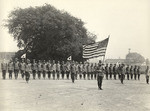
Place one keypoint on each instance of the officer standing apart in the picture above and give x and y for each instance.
(73, 72)
(123, 70)
(100, 75)
(28, 70)
(10, 69)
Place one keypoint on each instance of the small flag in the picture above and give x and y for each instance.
(23, 56)
(69, 58)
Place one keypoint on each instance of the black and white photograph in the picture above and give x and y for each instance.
(74, 55)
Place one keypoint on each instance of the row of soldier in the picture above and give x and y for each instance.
(56, 69)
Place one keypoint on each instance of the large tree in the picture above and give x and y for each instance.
(45, 32)
(134, 58)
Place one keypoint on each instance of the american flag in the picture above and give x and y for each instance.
(96, 49)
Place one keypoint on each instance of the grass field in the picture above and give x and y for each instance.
(83, 95)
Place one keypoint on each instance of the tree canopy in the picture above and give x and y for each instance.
(45, 32)
(134, 58)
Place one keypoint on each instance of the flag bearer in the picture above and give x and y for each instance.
(100, 75)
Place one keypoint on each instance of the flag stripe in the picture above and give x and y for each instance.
(95, 50)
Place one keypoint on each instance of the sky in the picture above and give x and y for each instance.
(126, 21)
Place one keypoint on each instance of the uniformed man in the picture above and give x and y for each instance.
(73, 71)
(49, 66)
(4, 69)
(119, 71)
(100, 75)
(127, 71)
(39, 69)
(138, 72)
(54, 69)
(22, 68)
(16, 68)
(131, 72)
(95, 71)
(84, 70)
(58, 69)
(62, 66)
(10, 69)
(106, 71)
(110, 71)
(135, 72)
(147, 74)
(114, 71)
(77, 70)
(92, 70)
(44, 67)
(34, 68)
(80, 69)
(88, 71)
(67, 69)
(123, 71)
(28, 70)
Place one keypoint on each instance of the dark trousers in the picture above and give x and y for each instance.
(122, 78)
(91, 75)
(138, 76)
(88, 75)
(53, 74)
(110, 74)
(73, 77)
(131, 76)
(49, 74)
(84, 75)
(34, 74)
(128, 76)
(39, 74)
(62, 74)
(67, 74)
(135, 76)
(107, 75)
(147, 79)
(80, 75)
(115, 76)
(95, 75)
(99, 81)
(4, 74)
(27, 76)
(22, 74)
(10, 74)
(58, 75)
(44, 74)
(16, 71)
(119, 76)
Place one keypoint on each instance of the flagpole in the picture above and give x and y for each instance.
(106, 49)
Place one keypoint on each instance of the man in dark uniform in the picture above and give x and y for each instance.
(114, 71)
(73, 71)
(10, 69)
(44, 67)
(54, 69)
(4, 69)
(63, 69)
(16, 68)
(119, 71)
(39, 69)
(22, 68)
(67, 69)
(138, 72)
(28, 70)
(95, 73)
(131, 72)
(127, 71)
(106, 71)
(49, 66)
(100, 75)
(135, 72)
(110, 71)
(58, 69)
(122, 73)
(34, 68)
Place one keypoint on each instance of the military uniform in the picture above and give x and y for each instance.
(100, 75)
(49, 65)
(80, 67)
(123, 70)
(34, 69)
(138, 72)
(135, 72)
(88, 71)
(22, 69)
(127, 71)
(84, 71)
(10, 69)
(67, 69)
(16, 69)
(95, 73)
(131, 72)
(110, 71)
(53, 69)
(63, 69)
(58, 70)
(4, 69)
(44, 67)
(73, 71)
(28, 70)
(39, 69)
(114, 71)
